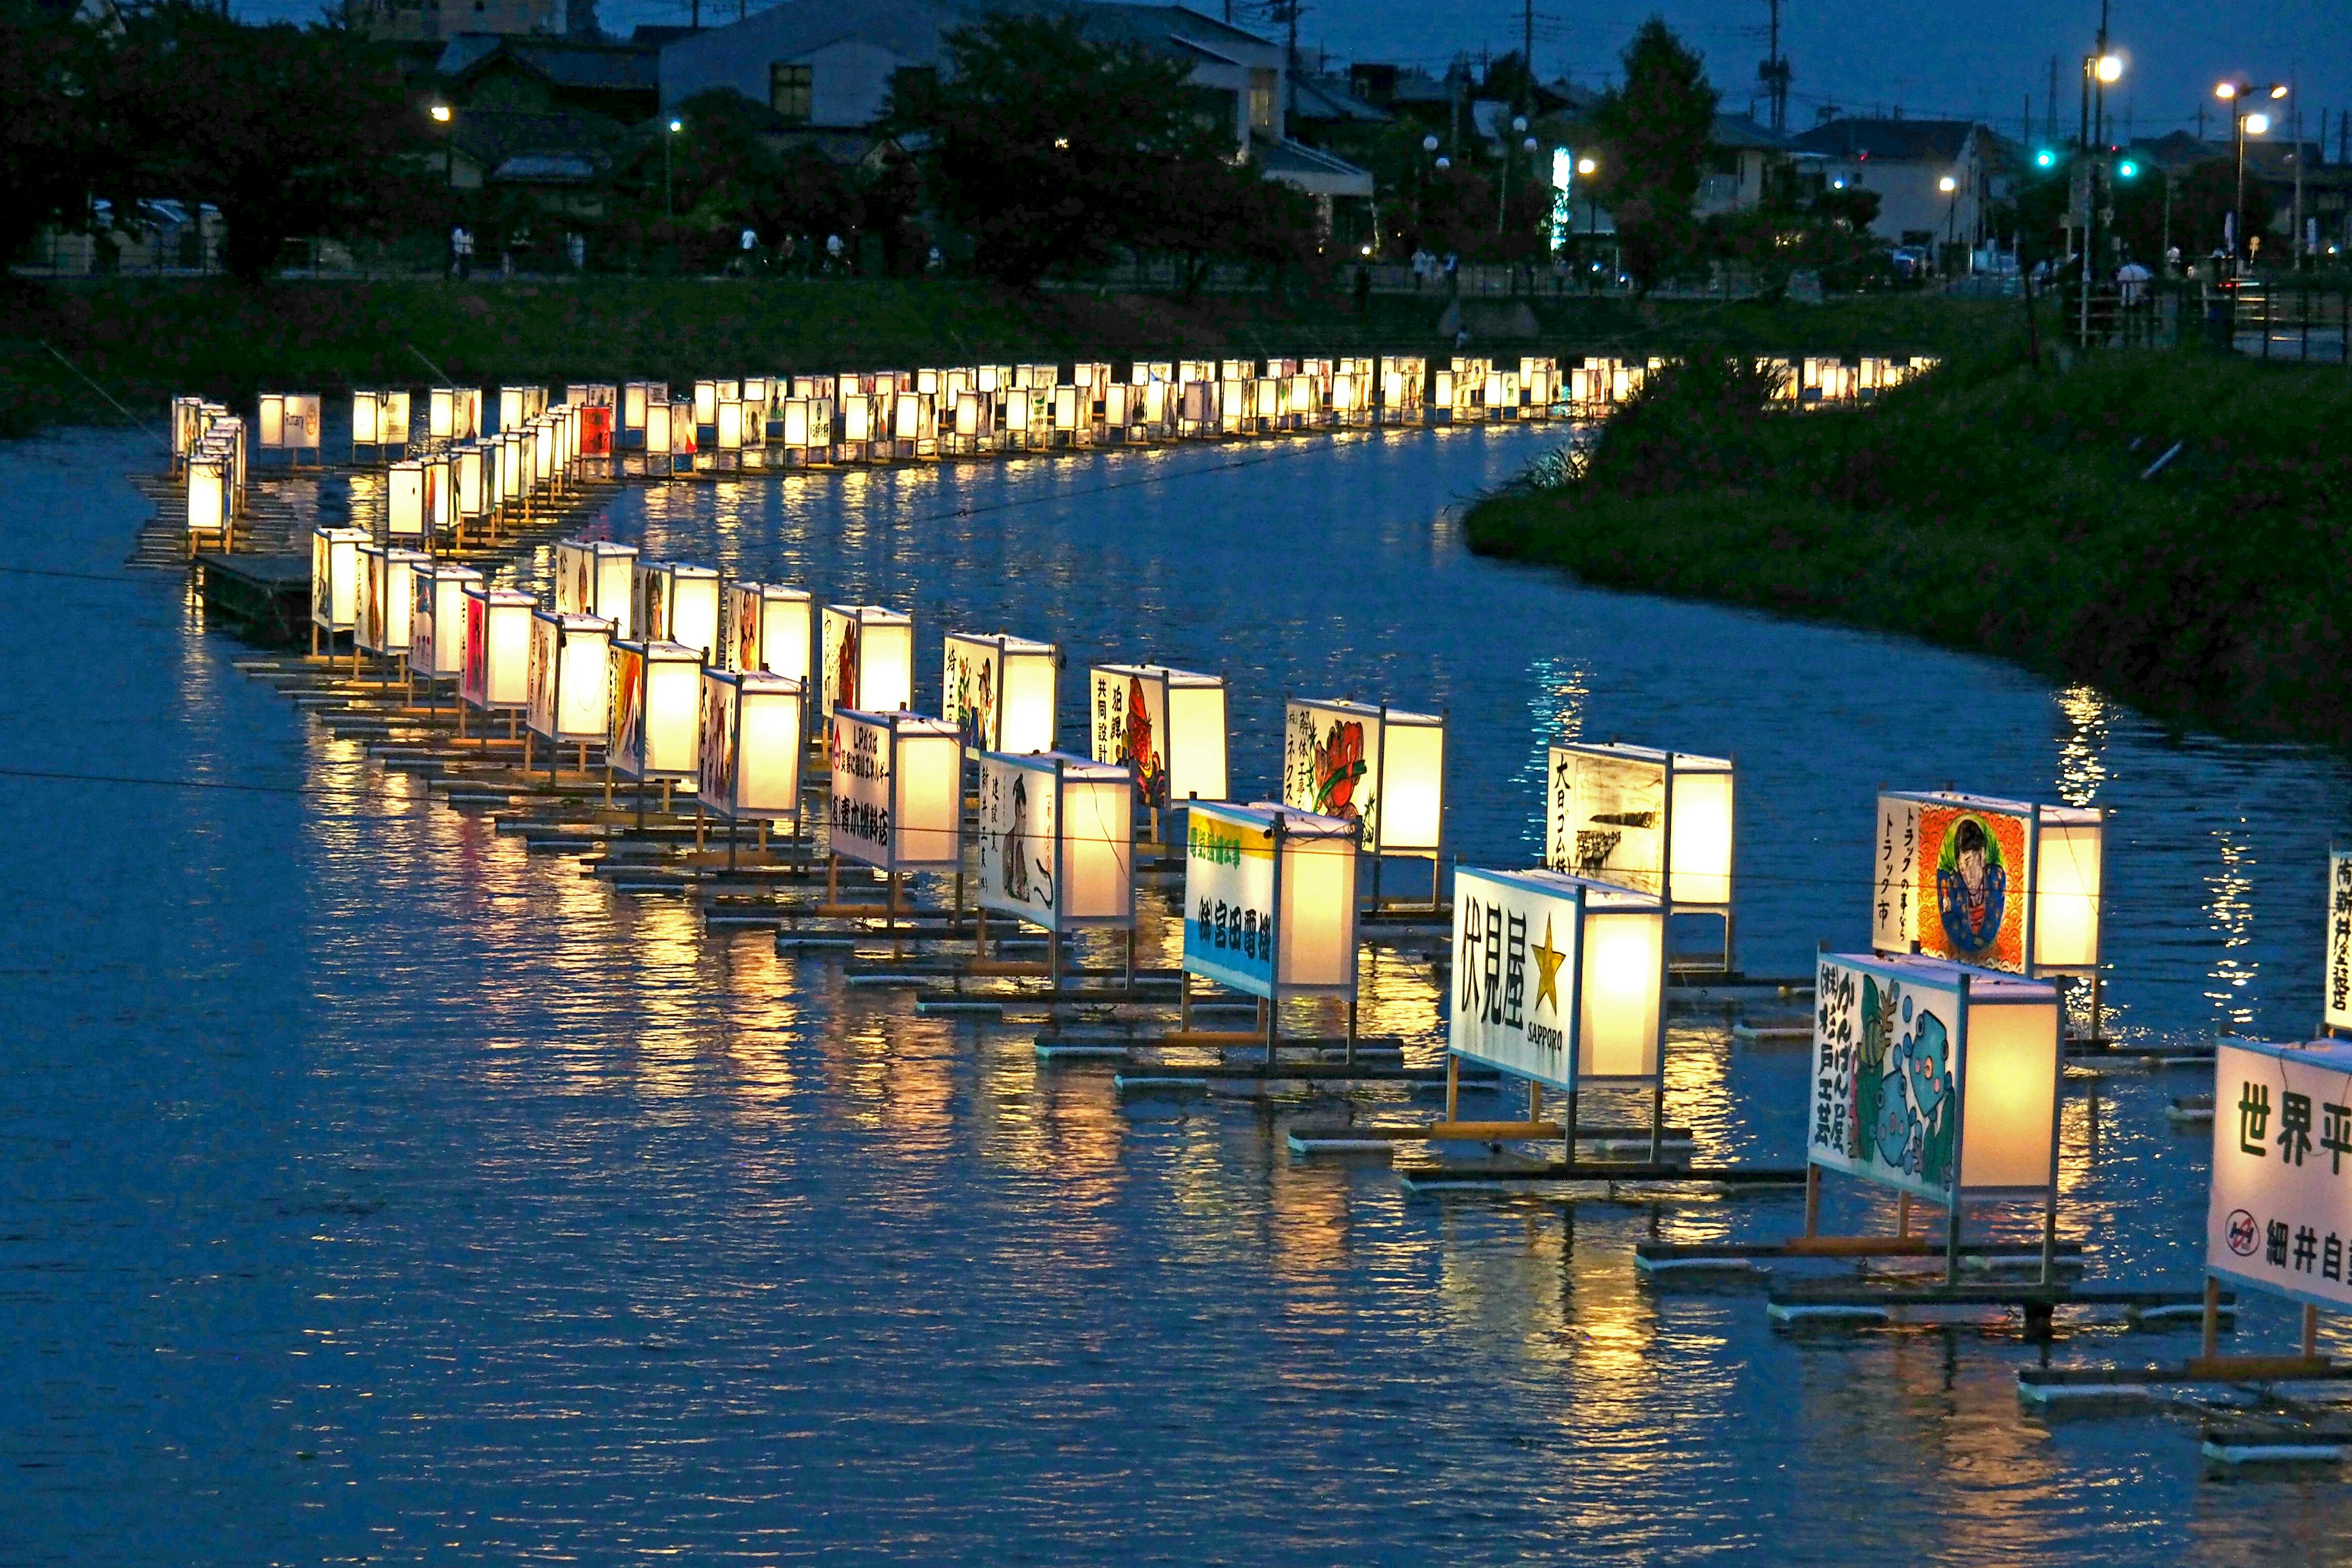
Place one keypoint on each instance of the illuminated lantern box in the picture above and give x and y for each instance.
(671, 602)
(469, 489)
(187, 426)
(404, 500)
(769, 629)
(379, 419)
(290, 423)
(2002, 884)
(1380, 766)
(1057, 840)
(1657, 822)
(2279, 1207)
(208, 496)
(1166, 726)
(706, 404)
(544, 435)
(386, 597)
(2335, 1010)
(898, 790)
(730, 429)
(517, 406)
(496, 678)
(868, 658)
(440, 496)
(595, 433)
(436, 619)
(637, 397)
(1000, 692)
(571, 673)
(335, 579)
(660, 444)
(655, 710)
(1270, 901)
(453, 413)
(1937, 1079)
(1558, 979)
(750, 752)
(595, 577)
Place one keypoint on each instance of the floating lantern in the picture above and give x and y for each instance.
(2277, 1183)
(208, 496)
(1998, 883)
(1001, 691)
(496, 677)
(659, 442)
(1558, 979)
(1166, 725)
(469, 491)
(1657, 822)
(672, 602)
(636, 396)
(898, 790)
(441, 412)
(1381, 766)
(440, 496)
(1935, 1079)
(381, 625)
(1057, 840)
(1270, 901)
(656, 718)
(767, 628)
(436, 619)
(335, 579)
(706, 404)
(750, 751)
(595, 577)
(404, 500)
(569, 677)
(2335, 1010)
(288, 422)
(868, 658)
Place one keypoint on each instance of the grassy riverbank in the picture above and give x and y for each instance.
(145, 340)
(2007, 511)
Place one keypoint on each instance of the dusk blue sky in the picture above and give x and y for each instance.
(1978, 59)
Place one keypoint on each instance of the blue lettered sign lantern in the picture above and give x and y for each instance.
(1558, 979)
(1270, 903)
(2279, 1218)
(1937, 1079)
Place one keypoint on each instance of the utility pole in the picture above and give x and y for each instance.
(2298, 176)
(1775, 74)
(2050, 105)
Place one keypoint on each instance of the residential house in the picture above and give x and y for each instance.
(542, 116)
(1904, 163)
(1741, 153)
(408, 21)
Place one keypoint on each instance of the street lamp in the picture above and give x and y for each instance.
(669, 205)
(2244, 125)
(1951, 188)
(1587, 167)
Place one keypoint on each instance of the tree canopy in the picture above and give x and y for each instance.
(1653, 132)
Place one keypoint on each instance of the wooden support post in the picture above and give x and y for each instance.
(1184, 1001)
(2310, 1331)
(1452, 1087)
(1130, 981)
(697, 824)
(1658, 1118)
(1568, 1117)
(1903, 1216)
(2212, 1318)
(1812, 1200)
(832, 879)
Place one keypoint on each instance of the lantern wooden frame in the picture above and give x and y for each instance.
(597, 577)
(571, 678)
(496, 675)
(896, 791)
(384, 612)
(670, 601)
(867, 659)
(334, 581)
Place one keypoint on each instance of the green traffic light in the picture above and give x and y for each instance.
(2045, 158)
(2126, 170)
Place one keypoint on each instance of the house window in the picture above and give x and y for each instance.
(790, 92)
(1262, 87)
(913, 84)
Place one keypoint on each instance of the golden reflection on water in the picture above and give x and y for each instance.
(2229, 914)
(2083, 749)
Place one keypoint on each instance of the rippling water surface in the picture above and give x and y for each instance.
(373, 1190)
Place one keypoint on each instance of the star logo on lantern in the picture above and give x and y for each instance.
(1547, 962)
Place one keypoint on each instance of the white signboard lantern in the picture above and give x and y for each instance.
(1270, 901)
(496, 674)
(898, 790)
(768, 629)
(569, 677)
(1558, 979)
(404, 500)
(1998, 883)
(1057, 839)
(1165, 726)
(671, 602)
(288, 422)
(2280, 1216)
(1657, 822)
(749, 757)
(2336, 1010)
(436, 619)
(1001, 691)
(1935, 1079)
(1381, 766)
(335, 578)
(868, 658)
(593, 577)
(208, 496)
(655, 710)
(387, 597)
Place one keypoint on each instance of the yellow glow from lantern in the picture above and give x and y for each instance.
(1624, 968)
(2010, 1080)
(1318, 920)
(2067, 868)
(1699, 855)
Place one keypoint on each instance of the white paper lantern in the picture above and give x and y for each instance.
(1001, 691)
(440, 496)
(470, 494)
(749, 751)
(1558, 979)
(1251, 868)
(2277, 1187)
(208, 495)
(868, 659)
(496, 673)
(706, 404)
(404, 516)
(672, 602)
(898, 790)
(387, 597)
(2002, 884)
(436, 620)
(1381, 766)
(656, 696)
(769, 629)
(1166, 726)
(1057, 840)
(1935, 1079)
(571, 676)
(596, 577)
(335, 578)
(636, 397)
(441, 412)
(1657, 822)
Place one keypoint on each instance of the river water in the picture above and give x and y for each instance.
(371, 1190)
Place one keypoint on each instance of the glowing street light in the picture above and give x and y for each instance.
(2244, 125)
(2110, 68)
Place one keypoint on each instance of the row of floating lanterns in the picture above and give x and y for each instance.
(457, 471)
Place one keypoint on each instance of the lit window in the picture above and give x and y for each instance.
(790, 91)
